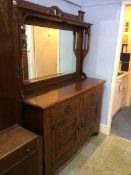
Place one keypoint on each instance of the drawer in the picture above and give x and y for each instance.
(18, 155)
(91, 98)
(68, 108)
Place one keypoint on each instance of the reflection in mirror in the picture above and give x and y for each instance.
(47, 52)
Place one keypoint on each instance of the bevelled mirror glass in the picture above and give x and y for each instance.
(47, 52)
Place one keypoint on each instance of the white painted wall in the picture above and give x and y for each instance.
(99, 62)
(67, 58)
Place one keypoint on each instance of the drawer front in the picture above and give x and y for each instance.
(67, 109)
(17, 155)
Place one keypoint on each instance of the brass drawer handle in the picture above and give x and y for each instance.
(67, 109)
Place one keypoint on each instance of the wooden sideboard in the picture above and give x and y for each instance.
(66, 114)
(66, 117)
(20, 152)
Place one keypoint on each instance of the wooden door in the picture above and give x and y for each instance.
(64, 132)
(90, 114)
(9, 99)
(46, 51)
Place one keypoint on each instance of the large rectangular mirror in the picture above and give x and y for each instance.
(46, 52)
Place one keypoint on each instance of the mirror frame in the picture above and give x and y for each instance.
(52, 17)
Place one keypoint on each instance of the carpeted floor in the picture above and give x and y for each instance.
(121, 123)
(103, 155)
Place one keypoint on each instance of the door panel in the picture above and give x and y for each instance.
(90, 114)
(64, 131)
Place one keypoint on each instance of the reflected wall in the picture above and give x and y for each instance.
(47, 52)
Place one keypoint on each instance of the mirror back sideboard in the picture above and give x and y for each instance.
(64, 110)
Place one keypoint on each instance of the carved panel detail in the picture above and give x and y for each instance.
(89, 117)
(55, 11)
(64, 138)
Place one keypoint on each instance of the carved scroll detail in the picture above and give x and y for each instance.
(55, 11)
(86, 40)
(75, 43)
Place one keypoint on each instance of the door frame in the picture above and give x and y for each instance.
(116, 64)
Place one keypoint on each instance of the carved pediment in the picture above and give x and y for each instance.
(54, 10)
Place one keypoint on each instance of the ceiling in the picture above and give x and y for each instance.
(91, 2)
(78, 2)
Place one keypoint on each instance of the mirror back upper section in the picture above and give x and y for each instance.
(52, 46)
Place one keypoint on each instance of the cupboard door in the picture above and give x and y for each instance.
(64, 141)
(90, 114)
(64, 135)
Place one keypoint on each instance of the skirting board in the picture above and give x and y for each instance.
(103, 129)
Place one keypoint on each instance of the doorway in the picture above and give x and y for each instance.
(120, 99)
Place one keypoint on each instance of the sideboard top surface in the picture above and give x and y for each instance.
(58, 95)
